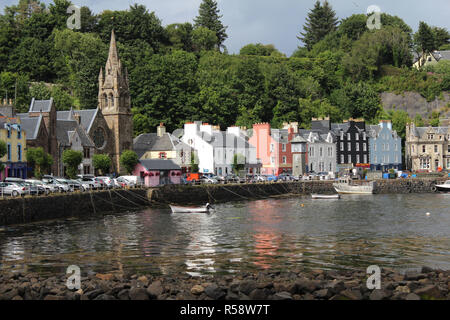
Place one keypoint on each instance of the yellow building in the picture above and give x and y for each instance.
(15, 139)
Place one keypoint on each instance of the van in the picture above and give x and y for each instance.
(134, 180)
(193, 177)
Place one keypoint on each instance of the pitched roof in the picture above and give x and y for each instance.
(151, 142)
(64, 130)
(87, 117)
(41, 105)
(30, 125)
(441, 55)
(159, 164)
(7, 111)
(222, 139)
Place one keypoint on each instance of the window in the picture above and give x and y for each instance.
(448, 163)
(396, 147)
(19, 152)
(364, 147)
(357, 147)
(87, 153)
(375, 147)
(331, 167)
(284, 160)
(365, 158)
(448, 148)
(19, 132)
(86, 169)
(364, 136)
(349, 159)
(387, 146)
(375, 159)
(9, 152)
(342, 146)
(424, 148)
(435, 149)
(342, 135)
(342, 158)
(349, 136)
(357, 158)
(424, 163)
(412, 149)
(283, 147)
(271, 147)
(272, 160)
(9, 130)
(321, 152)
(357, 136)
(349, 147)
(396, 159)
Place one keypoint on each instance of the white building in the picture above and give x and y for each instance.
(216, 149)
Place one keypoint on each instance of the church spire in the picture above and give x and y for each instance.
(113, 57)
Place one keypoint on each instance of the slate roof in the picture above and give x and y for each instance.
(442, 55)
(373, 131)
(30, 125)
(280, 135)
(151, 142)
(7, 111)
(420, 131)
(221, 139)
(64, 130)
(159, 164)
(86, 116)
(40, 105)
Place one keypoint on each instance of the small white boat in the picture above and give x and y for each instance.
(443, 187)
(326, 197)
(203, 209)
(345, 186)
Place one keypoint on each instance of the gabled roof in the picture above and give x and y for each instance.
(151, 142)
(30, 125)
(159, 164)
(7, 111)
(441, 55)
(63, 129)
(41, 105)
(87, 117)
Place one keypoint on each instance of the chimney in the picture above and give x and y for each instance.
(161, 130)
(77, 118)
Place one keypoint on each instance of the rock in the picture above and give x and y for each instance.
(52, 297)
(154, 290)
(351, 294)
(105, 277)
(308, 296)
(426, 270)
(402, 289)
(80, 292)
(323, 294)
(197, 290)
(305, 286)
(413, 276)
(214, 292)
(412, 296)
(247, 286)
(428, 292)
(123, 295)
(138, 294)
(231, 296)
(336, 286)
(282, 296)
(259, 294)
(17, 298)
(93, 294)
(105, 297)
(379, 295)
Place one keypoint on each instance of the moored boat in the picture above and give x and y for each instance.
(345, 186)
(443, 187)
(325, 196)
(204, 209)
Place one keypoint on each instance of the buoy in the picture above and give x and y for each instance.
(303, 205)
(428, 214)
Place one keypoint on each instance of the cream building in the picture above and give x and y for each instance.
(427, 149)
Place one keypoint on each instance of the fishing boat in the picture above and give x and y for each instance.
(443, 187)
(345, 186)
(203, 209)
(325, 196)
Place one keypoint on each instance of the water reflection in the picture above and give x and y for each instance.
(388, 230)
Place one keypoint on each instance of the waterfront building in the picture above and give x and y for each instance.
(157, 172)
(321, 151)
(299, 155)
(385, 147)
(273, 148)
(109, 127)
(427, 148)
(352, 149)
(216, 149)
(12, 133)
(163, 145)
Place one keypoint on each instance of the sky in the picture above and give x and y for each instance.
(276, 22)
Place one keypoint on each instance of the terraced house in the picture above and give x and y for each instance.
(385, 147)
(427, 148)
(14, 136)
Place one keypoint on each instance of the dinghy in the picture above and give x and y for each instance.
(203, 209)
(326, 197)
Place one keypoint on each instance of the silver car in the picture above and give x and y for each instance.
(13, 189)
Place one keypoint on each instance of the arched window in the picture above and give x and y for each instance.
(111, 100)
(105, 100)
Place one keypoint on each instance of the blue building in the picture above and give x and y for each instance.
(385, 147)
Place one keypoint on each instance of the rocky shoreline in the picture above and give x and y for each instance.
(427, 284)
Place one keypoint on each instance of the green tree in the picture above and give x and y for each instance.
(72, 159)
(320, 22)
(194, 163)
(180, 36)
(399, 119)
(203, 39)
(424, 39)
(441, 37)
(262, 50)
(129, 160)
(209, 17)
(418, 120)
(102, 162)
(39, 160)
(238, 163)
(434, 119)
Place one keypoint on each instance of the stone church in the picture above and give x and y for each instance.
(105, 130)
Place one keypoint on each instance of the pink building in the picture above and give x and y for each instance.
(158, 172)
(273, 148)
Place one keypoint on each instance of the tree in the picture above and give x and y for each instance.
(238, 163)
(320, 22)
(418, 121)
(102, 162)
(203, 39)
(259, 49)
(208, 17)
(72, 159)
(39, 160)
(424, 39)
(129, 160)
(441, 37)
(180, 36)
(434, 119)
(3, 151)
(194, 163)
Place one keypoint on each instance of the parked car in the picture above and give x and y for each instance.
(260, 178)
(47, 189)
(107, 181)
(285, 177)
(208, 180)
(13, 189)
(120, 183)
(271, 178)
(231, 178)
(133, 181)
(57, 183)
(90, 179)
(77, 185)
(193, 177)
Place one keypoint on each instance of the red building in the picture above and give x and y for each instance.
(273, 148)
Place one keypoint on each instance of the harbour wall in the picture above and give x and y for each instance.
(61, 206)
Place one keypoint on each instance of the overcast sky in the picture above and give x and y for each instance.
(275, 22)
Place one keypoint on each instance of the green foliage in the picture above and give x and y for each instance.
(180, 36)
(259, 49)
(320, 22)
(434, 119)
(3, 149)
(418, 120)
(203, 39)
(72, 159)
(194, 163)
(129, 160)
(209, 17)
(39, 160)
(424, 38)
(102, 162)
(238, 163)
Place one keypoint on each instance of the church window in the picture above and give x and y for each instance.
(99, 138)
(111, 100)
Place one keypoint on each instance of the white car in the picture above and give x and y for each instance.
(92, 181)
(208, 180)
(47, 187)
(58, 184)
(107, 181)
(13, 189)
(132, 181)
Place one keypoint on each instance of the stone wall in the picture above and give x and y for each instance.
(402, 186)
(61, 206)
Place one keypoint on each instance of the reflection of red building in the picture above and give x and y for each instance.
(273, 148)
